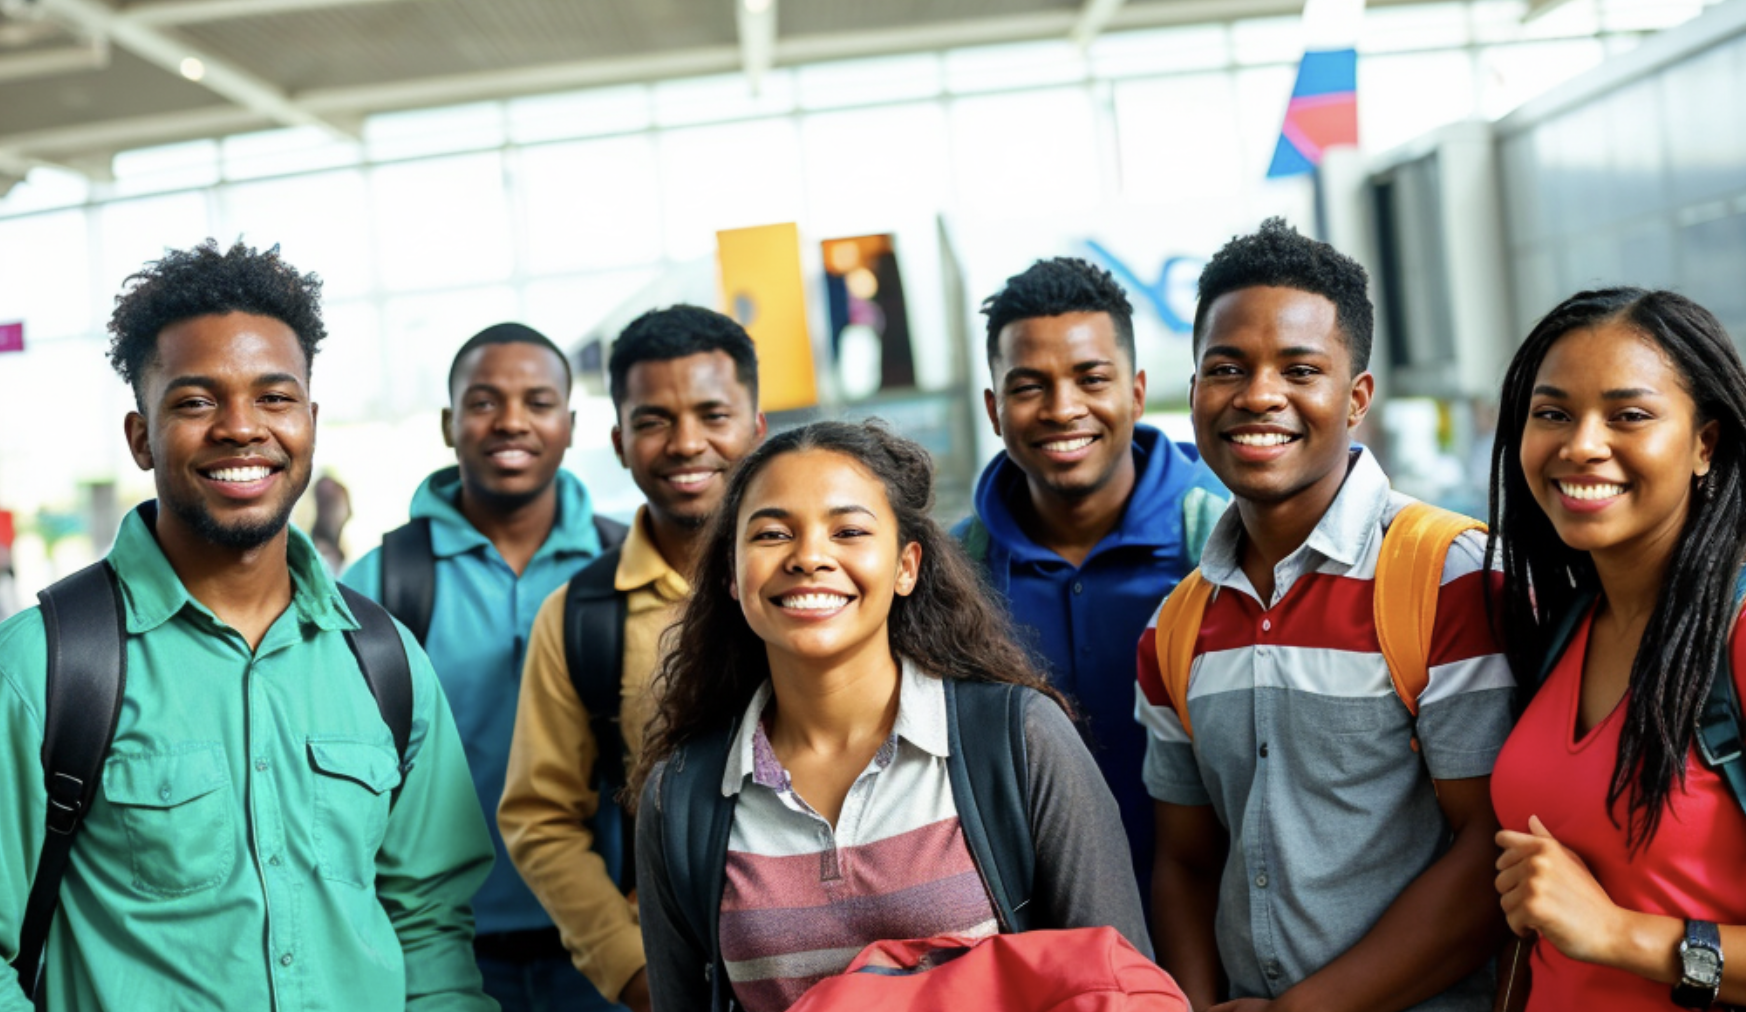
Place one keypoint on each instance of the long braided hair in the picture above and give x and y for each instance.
(1544, 578)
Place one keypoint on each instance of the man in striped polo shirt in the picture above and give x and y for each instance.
(1318, 847)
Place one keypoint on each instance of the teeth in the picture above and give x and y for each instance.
(696, 478)
(1261, 438)
(814, 602)
(1068, 445)
(240, 474)
(1591, 492)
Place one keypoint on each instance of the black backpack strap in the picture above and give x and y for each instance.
(85, 621)
(985, 731)
(695, 822)
(1719, 738)
(612, 533)
(594, 616)
(382, 658)
(1563, 630)
(975, 539)
(409, 576)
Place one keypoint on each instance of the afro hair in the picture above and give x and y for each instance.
(1277, 256)
(204, 281)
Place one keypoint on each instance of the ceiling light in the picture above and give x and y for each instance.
(193, 69)
(758, 6)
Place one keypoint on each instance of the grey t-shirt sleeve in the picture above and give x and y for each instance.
(1084, 876)
(1172, 774)
(676, 962)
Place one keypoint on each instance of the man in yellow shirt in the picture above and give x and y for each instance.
(685, 388)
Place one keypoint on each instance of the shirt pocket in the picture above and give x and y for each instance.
(179, 820)
(353, 782)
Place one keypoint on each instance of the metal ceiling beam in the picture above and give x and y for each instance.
(223, 78)
(93, 55)
(1541, 8)
(187, 12)
(757, 26)
(1093, 17)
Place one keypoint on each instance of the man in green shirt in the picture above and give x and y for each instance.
(255, 843)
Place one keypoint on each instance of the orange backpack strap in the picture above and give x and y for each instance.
(1178, 628)
(1409, 575)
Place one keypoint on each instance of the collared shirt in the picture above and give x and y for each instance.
(1305, 751)
(549, 799)
(478, 641)
(1084, 620)
(247, 849)
(803, 896)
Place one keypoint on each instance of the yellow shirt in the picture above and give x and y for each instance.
(549, 796)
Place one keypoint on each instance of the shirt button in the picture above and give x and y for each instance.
(285, 960)
(1261, 881)
(1079, 588)
(261, 764)
(1263, 750)
(274, 860)
(1272, 968)
(1266, 625)
(164, 792)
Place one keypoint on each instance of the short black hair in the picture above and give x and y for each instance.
(202, 281)
(1055, 287)
(660, 335)
(506, 333)
(1277, 256)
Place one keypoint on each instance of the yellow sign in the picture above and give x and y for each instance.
(762, 288)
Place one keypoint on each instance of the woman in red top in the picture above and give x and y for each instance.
(1618, 491)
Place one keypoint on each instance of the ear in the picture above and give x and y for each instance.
(448, 433)
(993, 409)
(1706, 448)
(760, 426)
(1363, 390)
(618, 446)
(1139, 393)
(733, 588)
(138, 440)
(908, 568)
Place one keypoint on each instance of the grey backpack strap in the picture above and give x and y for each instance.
(696, 820)
(409, 576)
(985, 731)
(975, 540)
(612, 533)
(382, 658)
(85, 622)
(1719, 737)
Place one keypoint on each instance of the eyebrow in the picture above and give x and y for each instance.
(208, 382)
(643, 410)
(1026, 372)
(1618, 394)
(778, 513)
(1295, 351)
(490, 388)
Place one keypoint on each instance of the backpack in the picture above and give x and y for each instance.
(594, 614)
(1076, 970)
(1409, 576)
(85, 622)
(985, 726)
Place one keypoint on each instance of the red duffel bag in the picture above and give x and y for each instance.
(1078, 970)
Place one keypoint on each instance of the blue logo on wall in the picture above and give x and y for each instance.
(1171, 296)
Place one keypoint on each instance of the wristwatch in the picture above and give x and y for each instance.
(1700, 962)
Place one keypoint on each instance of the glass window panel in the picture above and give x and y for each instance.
(1268, 40)
(868, 169)
(1262, 94)
(350, 369)
(1019, 65)
(1511, 75)
(722, 97)
(1712, 259)
(70, 382)
(1146, 53)
(320, 223)
(1635, 180)
(580, 114)
(568, 309)
(1422, 26)
(995, 175)
(282, 152)
(167, 167)
(862, 82)
(1702, 108)
(728, 176)
(1403, 96)
(1536, 287)
(396, 135)
(590, 205)
(1571, 19)
(44, 189)
(420, 335)
(441, 222)
(1178, 138)
(1647, 15)
(45, 277)
(135, 231)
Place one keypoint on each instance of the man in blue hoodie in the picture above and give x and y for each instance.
(490, 539)
(1087, 519)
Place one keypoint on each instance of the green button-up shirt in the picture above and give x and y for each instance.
(247, 849)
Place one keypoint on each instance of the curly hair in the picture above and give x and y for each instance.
(1277, 256)
(948, 626)
(203, 281)
(679, 331)
(1055, 287)
(1544, 578)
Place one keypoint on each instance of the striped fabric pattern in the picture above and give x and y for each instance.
(803, 897)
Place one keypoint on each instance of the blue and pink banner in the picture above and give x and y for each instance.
(1323, 111)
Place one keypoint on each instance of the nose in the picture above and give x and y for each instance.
(809, 553)
(1588, 441)
(513, 417)
(1264, 393)
(685, 438)
(1064, 404)
(239, 422)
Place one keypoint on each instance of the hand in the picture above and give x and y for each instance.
(1547, 889)
(635, 995)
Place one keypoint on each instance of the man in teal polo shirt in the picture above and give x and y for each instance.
(254, 844)
(495, 535)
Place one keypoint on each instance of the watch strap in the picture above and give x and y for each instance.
(1689, 992)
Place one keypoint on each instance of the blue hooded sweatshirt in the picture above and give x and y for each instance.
(1086, 621)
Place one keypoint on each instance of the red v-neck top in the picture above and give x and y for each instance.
(1694, 867)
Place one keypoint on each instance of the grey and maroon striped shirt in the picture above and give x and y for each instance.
(803, 897)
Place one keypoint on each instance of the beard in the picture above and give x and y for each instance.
(238, 536)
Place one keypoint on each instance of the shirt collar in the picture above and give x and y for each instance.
(1340, 536)
(641, 564)
(921, 721)
(154, 593)
(439, 499)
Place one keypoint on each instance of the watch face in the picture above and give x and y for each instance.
(1701, 964)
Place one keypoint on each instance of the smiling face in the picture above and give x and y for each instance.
(509, 423)
(1612, 442)
(682, 424)
(228, 430)
(1065, 401)
(1273, 396)
(817, 560)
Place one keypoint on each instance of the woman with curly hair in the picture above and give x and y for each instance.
(1619, 512)
(835, 637)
